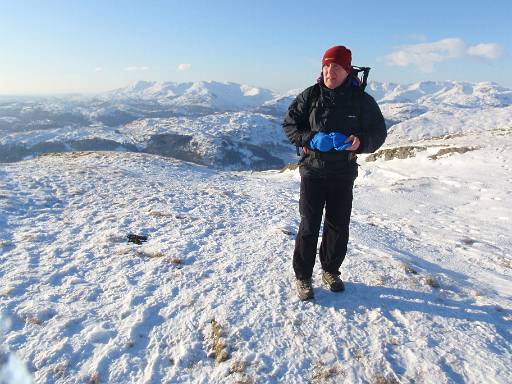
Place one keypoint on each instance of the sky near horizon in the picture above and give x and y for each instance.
(92, 46)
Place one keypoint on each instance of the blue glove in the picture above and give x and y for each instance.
(338, 140)
(322, 142)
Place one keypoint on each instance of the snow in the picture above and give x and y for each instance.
(448, 93)
(12, 369)
(441, 121)
(210, 297)
(219, 95)
(428, 295)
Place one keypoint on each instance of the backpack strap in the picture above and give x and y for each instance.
(360, 81)
(312, 102)
(363, 80)
(313, 99)
(357, 102)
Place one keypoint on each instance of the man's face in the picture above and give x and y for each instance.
(334, 75)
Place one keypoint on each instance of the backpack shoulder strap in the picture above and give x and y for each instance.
(357, 96)
(357, 102)
(363, 80)
(312, 103)
(314, 96)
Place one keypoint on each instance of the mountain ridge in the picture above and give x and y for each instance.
(230, 125)
(461, 93)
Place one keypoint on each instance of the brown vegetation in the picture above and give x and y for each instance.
(395, 153)
(220, 350)
(451, 150)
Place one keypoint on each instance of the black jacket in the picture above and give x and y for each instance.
(346, 109)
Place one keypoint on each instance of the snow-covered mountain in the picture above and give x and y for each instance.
(443, 93)
(212, 95)
(424, 94)
(228, 125)
(210, 297)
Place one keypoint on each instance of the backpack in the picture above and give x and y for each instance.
(358, 77)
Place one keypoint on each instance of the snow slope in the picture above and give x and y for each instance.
(209, 298)
(229, 140)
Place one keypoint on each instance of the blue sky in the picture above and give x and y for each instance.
(89, 46)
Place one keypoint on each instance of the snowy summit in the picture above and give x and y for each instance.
(209, 296)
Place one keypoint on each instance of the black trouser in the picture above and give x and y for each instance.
(336, 196)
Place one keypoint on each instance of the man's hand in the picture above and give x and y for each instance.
(355, 143)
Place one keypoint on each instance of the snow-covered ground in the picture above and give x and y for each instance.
(209, 298)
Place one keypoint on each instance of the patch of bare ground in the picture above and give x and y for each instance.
(238, 366)
(409, 269)
(71, 155)
(448, 136)
(94, 378)
(323, 374)
(502, 132)
(150, 253)
(381, 379)
(396, 153)
(289, 167)
(60, 369)
(154, 213)
(452, 150)
(219, 348)
(504, 262)
(431, 282)
(176, 261)
(4, 243)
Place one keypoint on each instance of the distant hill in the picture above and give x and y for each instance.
(228, 125)
(216, 96)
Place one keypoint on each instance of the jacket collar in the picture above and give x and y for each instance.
(346, 84)
(344, 89)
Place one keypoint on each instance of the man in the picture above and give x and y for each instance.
(332, 121)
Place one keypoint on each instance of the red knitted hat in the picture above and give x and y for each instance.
(339, 55)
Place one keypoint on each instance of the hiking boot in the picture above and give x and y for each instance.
(333, 282)
(305, 289)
